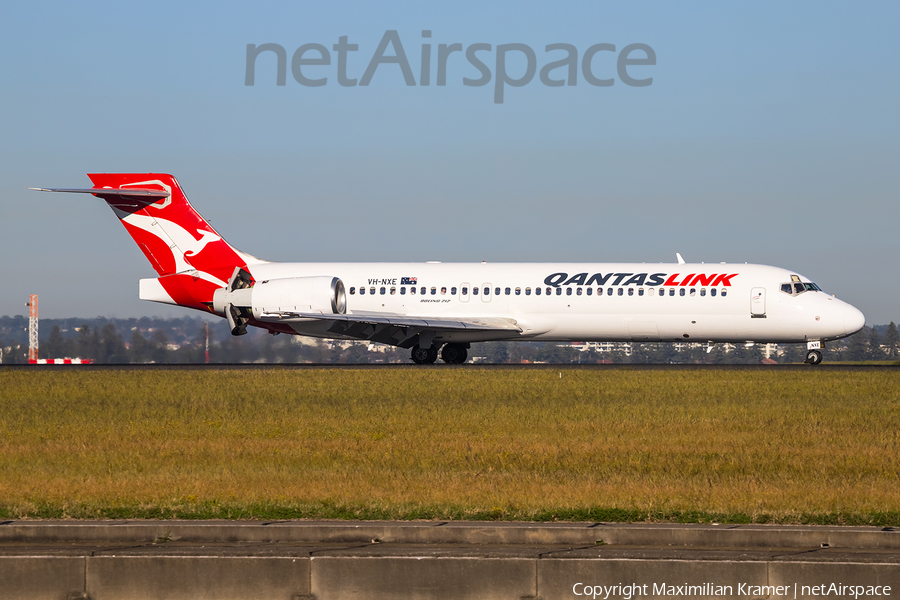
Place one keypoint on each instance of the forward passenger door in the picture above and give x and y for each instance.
(758, 303)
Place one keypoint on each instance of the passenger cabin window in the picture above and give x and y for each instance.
(507, 291)
(453, 291)
(631, 291)
(443, 291)
(559, 291)
(712, 291)
(412, 291)
(423, 290)
(548, 291)
(621, 292)
(372, 291)
(589, 291)
(724, 293)
(465, 291)
(402, 291)
(496, 291)
(693, 291)
(702, 291)
(681, 292)
(527, 291)
(578, 292)
(537, 291)
(382, 291)
(672, 291)
(362, 291)
(352, 290)
(393, 291)
(434, 291)
(475, 291)
(640, 291)
(568, 291)
(487, 291)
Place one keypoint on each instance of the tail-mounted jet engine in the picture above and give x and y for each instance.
(241, 299)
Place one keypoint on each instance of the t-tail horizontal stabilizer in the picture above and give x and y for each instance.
(109, 191)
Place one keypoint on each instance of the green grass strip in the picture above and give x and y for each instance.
(726, 446)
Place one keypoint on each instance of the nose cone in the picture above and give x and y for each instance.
(853, 319)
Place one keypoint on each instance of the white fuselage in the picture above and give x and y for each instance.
(590, 301)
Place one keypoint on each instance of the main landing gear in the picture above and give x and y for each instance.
(452, 354)
(424, 356)
(813, 357)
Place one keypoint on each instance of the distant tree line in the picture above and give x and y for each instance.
(184, 340)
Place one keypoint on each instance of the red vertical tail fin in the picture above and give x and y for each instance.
(172, 235)
(191, 258)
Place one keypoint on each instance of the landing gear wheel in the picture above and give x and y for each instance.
(424, 356)
(813, 357)
(454, 354)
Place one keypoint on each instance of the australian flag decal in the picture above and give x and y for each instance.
(408, 280)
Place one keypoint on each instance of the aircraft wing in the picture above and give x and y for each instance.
(397, 330)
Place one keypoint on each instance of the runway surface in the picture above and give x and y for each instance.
(835, 367)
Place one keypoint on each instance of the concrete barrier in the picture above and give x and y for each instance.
(450, 532)
(375, 560)
(41, 576)
(203, 577)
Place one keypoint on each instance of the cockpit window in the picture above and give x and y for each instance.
(799, 287)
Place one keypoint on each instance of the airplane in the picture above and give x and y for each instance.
(436, 308)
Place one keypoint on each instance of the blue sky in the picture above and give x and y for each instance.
(769, 135)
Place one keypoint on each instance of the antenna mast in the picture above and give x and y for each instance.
(33, 328)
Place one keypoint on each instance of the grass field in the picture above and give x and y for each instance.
(454, 443)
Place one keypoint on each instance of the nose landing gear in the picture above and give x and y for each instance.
(813, 357)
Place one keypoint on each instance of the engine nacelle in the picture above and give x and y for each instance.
(299, 294)
(293, 294)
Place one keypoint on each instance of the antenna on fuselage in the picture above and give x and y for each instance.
(680, 260)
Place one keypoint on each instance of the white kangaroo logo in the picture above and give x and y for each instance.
(179, 240)
(196, 246)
